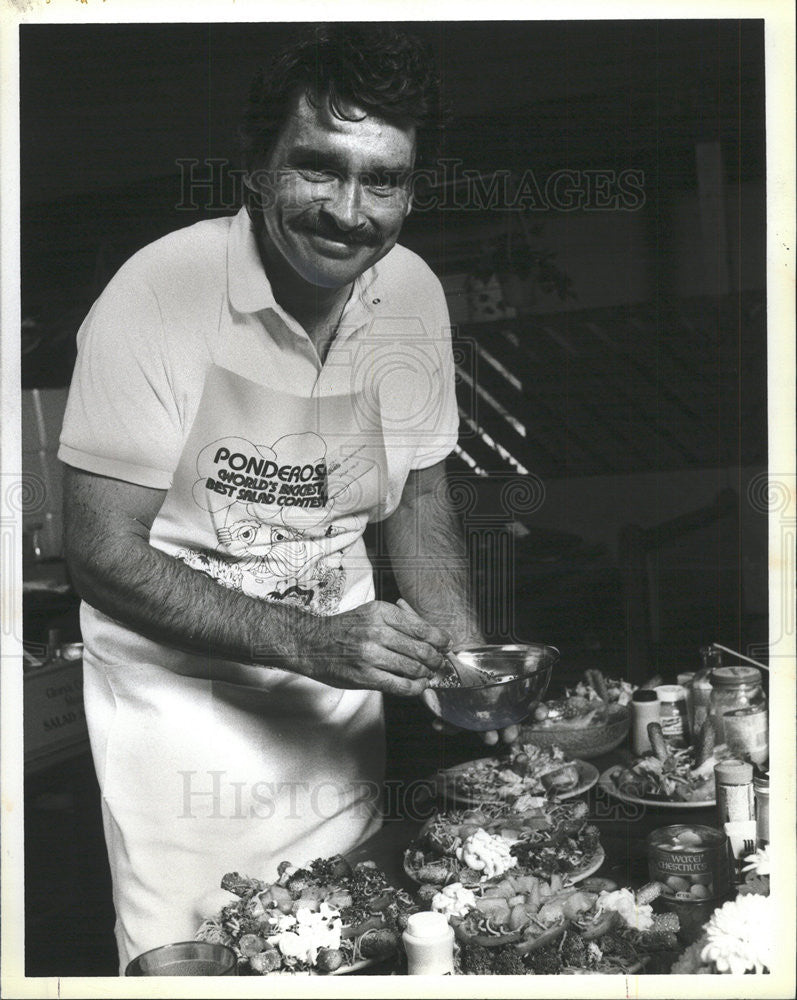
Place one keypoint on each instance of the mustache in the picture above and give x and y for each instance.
(327, 229)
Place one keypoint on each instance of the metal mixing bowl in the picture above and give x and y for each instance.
(523, 671)
(185, 958)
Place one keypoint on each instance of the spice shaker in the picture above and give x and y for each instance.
(761, 791)
(645, 708)
(429, 944)
(734, 785)
(674, 716)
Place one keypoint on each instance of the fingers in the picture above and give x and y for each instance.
(425, 657)
(444, 727)
(387, 683)
(397, 655)
(410, 623)
(508, 735)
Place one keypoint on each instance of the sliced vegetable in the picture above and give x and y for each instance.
(596, 928)
(518, 917)
(541, 940)
(657, 741)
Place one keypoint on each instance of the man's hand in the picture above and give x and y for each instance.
(491, 737)
(378, 646)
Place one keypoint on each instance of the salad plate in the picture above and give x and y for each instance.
(473, 846)
(452, 783)
(608, 781)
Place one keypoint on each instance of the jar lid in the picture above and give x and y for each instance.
(645, 694)
(428, 924)
(734, 772)
(671, 692)
(735, 676)
(761, 782)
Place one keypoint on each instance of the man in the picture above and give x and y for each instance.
(250, 392)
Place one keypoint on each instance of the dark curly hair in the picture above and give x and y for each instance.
(377, 67)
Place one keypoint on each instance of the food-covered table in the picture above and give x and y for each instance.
(623, 826)
(529, 859)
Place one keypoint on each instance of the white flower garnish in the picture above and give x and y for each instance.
(740, 936)
(758, 862)
(622, 901)
(301, 936)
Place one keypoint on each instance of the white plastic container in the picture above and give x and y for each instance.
(429, 944)
(645, 708)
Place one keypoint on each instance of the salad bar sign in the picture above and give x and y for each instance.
(54, 721)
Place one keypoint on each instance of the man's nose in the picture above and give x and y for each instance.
(344, 205)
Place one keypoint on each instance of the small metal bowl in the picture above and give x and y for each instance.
(185, 958)
(522, 672)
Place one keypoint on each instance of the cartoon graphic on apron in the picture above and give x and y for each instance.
(280, 501)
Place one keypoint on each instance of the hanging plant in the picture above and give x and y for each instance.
(516, 263)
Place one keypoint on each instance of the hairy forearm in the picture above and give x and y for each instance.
(430, 564)
(374, 646)
(169, 602)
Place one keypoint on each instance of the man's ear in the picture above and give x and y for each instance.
(408, 206)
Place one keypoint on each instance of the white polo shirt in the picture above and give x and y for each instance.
(198, 297)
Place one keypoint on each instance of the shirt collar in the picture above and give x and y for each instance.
(247, 284)
(249, 288)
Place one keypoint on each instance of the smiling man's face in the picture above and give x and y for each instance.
(335, 193)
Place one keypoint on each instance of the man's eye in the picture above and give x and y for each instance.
(384, 183)
(316, 175)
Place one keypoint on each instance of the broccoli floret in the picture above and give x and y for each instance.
(299, 880)
(249, 924)
(476, 960)
(546, 961)
(509, 963)
(619, 947)
(427, 892)
(574, 951)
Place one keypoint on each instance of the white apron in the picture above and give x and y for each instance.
(200, 777)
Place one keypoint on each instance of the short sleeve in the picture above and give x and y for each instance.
(121, 417)
(442, 431)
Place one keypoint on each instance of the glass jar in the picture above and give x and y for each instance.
(739, 710)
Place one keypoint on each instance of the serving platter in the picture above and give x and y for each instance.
(608, 782)
(588, 867)
(446, 782)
